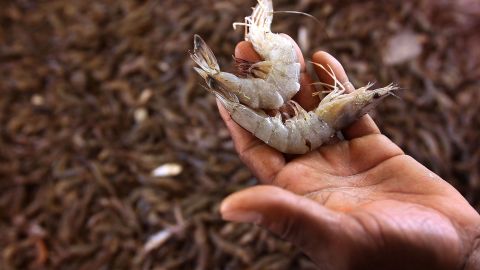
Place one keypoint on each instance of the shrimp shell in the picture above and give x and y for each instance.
(246, 98)
(271, 82)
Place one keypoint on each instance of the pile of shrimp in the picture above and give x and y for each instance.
(272, 83)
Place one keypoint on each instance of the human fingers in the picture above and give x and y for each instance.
(326, 236)
(365, 125)
(244, 50)
(292, 217)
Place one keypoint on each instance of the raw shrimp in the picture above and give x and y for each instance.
(271, 82)
(245, 98)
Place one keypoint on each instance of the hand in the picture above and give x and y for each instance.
(358, 204)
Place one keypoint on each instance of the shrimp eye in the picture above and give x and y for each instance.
(376, 95)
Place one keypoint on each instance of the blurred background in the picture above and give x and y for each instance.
(112, 156)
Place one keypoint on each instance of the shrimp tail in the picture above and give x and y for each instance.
(204, 57)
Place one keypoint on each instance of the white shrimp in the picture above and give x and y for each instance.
(273, 81)
(306, 130)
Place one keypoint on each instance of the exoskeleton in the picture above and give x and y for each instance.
(273, 83)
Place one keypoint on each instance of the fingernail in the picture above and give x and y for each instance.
(242, 216)
(232, 211)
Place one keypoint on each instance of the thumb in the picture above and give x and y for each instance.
(297, 219)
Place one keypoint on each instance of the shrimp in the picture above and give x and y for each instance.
(246, 98)
(271, 82)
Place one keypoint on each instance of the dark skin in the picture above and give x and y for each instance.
(357, 204)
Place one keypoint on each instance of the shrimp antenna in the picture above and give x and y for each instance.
(298, 13)
(323, 84)
(337, 84)
(301, 13)
(396, 96)
(335, 78)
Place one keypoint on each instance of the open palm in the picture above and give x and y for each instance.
(357, 204)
